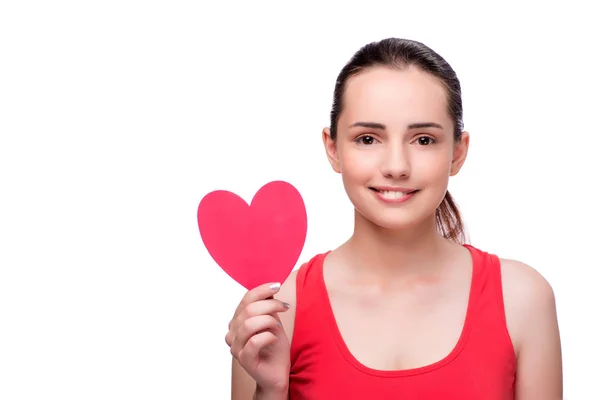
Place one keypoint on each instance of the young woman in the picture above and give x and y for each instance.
(404, 309)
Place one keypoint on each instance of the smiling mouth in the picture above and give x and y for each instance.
(393, 194)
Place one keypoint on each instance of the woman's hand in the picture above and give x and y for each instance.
(258, 341)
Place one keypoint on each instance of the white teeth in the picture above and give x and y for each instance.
(392, 195)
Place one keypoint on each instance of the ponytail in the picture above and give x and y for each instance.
(448, 220)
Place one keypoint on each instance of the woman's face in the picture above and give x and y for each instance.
(395, 147)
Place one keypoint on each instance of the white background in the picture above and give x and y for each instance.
(116, 117)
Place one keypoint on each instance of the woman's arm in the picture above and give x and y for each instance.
(532, 322)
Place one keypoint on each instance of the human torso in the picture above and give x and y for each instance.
(400, 326)
(353, 343)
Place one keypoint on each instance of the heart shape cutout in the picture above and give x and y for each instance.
(257, 243)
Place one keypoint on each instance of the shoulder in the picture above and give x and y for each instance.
(529, 300)
(531, 319)
(524, 282)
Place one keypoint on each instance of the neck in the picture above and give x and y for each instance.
(414, 251)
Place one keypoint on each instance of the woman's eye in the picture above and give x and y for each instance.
(366, 139)
(425, 140)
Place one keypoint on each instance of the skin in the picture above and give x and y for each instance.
(413, 274)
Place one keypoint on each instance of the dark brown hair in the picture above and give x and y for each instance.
(400, 54)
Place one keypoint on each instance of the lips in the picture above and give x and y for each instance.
(393, 193)
(393, 190)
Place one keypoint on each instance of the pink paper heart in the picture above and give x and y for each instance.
(257, 243)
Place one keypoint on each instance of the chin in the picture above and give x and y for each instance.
(395, 223)
(395, 220)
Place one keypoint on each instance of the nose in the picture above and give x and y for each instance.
(395, 163)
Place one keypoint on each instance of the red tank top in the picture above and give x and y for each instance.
(480, 367)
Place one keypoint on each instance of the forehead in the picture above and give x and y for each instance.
(395, 96)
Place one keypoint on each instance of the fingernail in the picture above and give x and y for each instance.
(279, 325)
(275, 286)
(286, 305)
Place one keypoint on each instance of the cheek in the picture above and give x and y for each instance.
(435, 165)
(357, 164)
(433, 173)
(434, 170)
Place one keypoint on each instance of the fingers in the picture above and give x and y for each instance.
(252, 327)
(263, 307)
(254, 345)
(261, 292)
(260, 308)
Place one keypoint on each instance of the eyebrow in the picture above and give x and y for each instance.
(376, 125)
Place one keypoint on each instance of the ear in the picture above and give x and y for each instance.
(460, 153)
(331, 150)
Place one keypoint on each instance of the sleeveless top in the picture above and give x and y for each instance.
(481, 366)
